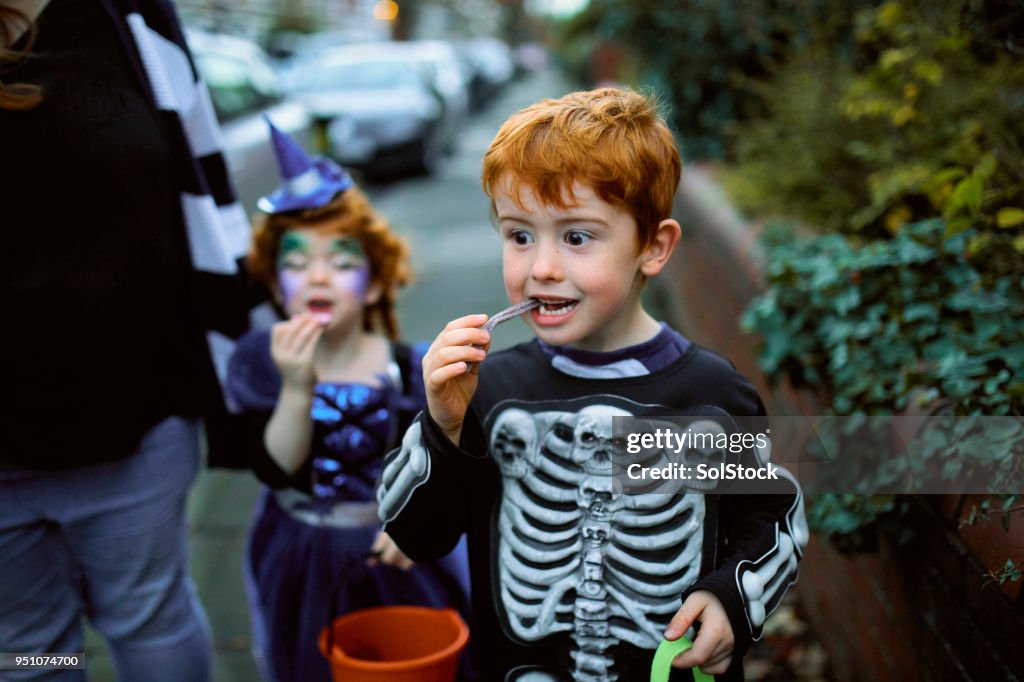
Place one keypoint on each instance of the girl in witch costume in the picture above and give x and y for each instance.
(327, 392)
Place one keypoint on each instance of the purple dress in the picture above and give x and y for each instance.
(308, 544)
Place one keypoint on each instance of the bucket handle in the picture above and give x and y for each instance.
(332, 611)
(663, 657)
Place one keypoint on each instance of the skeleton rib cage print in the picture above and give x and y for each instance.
(574, 551)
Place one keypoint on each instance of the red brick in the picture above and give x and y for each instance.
(991, 545)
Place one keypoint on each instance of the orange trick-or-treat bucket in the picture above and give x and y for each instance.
(395, 643)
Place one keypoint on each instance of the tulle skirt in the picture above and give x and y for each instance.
(299, 577)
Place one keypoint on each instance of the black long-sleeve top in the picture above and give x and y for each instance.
(102, 339)
(568, 574)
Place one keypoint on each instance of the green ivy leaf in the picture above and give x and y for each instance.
(957, 225)
(1009, 217)
(977, 301)
(893, 57)
(987, 166)
(947, 175)
(968, 193)
(928, 70)
(1002, 429)
(920, 311)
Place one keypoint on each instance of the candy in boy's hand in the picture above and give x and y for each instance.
(510, 312)
(505, 315)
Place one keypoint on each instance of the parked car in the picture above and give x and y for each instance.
(441, 64)
(244, 88)
(530, 56)
(381, 112)
(491, 65)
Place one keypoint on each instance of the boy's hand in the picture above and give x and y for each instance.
(385, 551)
(713, 646)
(291, 346)
(448, 385)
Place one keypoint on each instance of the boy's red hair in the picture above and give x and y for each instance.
(350, 214)
(610, 139)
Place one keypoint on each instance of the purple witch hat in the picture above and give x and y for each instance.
(305, 182)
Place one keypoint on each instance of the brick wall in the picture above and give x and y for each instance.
(919, 611)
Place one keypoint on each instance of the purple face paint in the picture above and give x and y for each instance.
(290, 283)
(322, 274)
(358, 281)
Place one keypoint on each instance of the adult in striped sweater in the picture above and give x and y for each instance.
(125, 288)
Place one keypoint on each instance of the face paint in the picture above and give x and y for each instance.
(357, 281)
(349, 265)
(292, 241)
(292, 262)
(324, 275)
(349, 246)
(290, 282)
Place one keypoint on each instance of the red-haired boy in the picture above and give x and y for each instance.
(573, 578)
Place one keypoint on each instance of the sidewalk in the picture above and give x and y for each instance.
(219, 511)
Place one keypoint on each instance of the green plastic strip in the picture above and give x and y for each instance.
(663, 657)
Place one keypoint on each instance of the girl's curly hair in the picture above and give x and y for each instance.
(350, 214)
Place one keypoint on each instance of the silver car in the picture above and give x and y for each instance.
(380, 112)
(244, 88)
(440, 63)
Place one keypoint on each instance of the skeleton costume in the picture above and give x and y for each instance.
(582, 578)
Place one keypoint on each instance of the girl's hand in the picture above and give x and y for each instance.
(291, 346)
(713, 645)
(385, 551)
(448, 385)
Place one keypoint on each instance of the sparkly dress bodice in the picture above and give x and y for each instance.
(352, 427)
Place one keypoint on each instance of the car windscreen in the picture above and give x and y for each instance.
(236, 86)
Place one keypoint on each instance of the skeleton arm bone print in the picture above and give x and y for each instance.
(765, 580)
(767, 534)
(421, 493)
(405, 469)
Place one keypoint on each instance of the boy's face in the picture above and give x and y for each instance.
(582, 260)
(324, 274)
